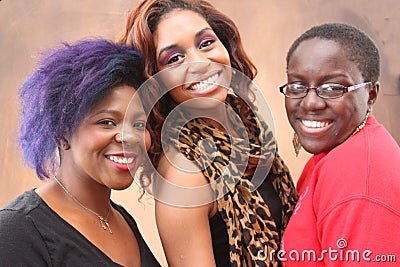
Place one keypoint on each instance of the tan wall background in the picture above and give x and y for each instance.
(267, 26)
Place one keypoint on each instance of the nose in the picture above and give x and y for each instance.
(129, 136)
(312, 101)
(118, 137)
(196, 55)
(198, 62)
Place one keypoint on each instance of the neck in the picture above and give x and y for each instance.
(103, 219)
(361, 125)
(88, 192)
(217, 116)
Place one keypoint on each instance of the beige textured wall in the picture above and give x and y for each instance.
(268, 27)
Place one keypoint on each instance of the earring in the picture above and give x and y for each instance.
(296, 144)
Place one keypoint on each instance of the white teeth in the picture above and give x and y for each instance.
(315, 124)
(122, 160)
(203, 84)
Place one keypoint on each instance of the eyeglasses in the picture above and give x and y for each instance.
(327, 91)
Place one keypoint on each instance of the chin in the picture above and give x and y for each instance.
(122, 185)
(313, 147)
(317, 149)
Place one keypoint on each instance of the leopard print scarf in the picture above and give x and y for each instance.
(223, 159)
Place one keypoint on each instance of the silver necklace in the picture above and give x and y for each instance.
(103, 221)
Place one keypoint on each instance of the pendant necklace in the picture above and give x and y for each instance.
(103, 221)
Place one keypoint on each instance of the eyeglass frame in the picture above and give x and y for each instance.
(345, 89)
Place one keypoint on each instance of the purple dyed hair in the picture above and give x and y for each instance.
(67, 83)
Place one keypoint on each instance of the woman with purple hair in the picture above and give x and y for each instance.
(74, 110)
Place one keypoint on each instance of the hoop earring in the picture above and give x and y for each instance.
(296, 144)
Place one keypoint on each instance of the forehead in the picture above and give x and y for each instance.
(176, 16)
(318, 48)
(321, 54)
(117, 97)
(176, 24)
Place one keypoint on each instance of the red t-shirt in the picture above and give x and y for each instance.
(349, 208)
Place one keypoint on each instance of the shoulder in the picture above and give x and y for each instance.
(20, 240)
(176, 168)
(21, 205)
(15, 224)
(372, 141)
(360, 158)
(180, 182)
(360, 169)
(17, 216)
(382, 147)
(12, 219)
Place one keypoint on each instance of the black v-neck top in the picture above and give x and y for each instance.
(32, 234)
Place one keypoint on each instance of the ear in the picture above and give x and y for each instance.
(373, 94)
(63, 143)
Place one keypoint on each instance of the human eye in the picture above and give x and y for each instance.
(295, 88)
(206, 43)
(107, 123)
(139, 125)
(172, 58)
(331, 90)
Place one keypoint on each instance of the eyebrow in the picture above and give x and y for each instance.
(325, 77)
(199, 33)
(106, 111)
(137, 113)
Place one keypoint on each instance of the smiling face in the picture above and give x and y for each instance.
(322, 124)
(96, 150)
(186, 48)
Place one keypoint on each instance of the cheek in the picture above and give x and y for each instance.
(221, 56)
(290, 106)
(89, 141)
(173, 77)
(355, 105)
